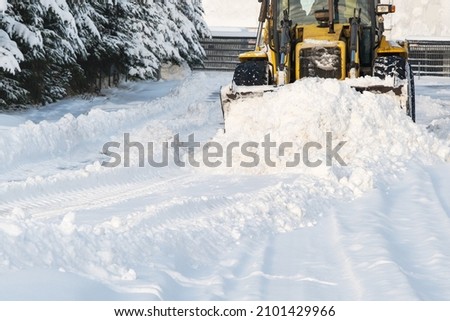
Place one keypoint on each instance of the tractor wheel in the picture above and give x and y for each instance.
(394, 66)
(411, 99)
(252, 73)
(399, 68)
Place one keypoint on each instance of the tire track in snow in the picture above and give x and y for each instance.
(248, 272)
(50, 204)
(394, 246)
(343, 257)
(207, 228)
(426, 263)
(202, 220)
(176, 112)
(437, 186)
(366, 236)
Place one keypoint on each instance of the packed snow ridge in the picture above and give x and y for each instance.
(379, 138)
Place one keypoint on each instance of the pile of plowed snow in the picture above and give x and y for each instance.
(373, 137)
(76, 140)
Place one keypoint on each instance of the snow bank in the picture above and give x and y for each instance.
(69, 137)
(380, 140)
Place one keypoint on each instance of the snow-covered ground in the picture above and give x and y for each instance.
(377, 228)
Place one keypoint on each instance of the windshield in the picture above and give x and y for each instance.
(302, 11)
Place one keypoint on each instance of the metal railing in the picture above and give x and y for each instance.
(222, 52)
(430, 57)
(223, 48)
(427, 57)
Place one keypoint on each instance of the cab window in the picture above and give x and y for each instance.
(302, 11)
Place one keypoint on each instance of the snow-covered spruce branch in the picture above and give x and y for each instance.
(52, 48)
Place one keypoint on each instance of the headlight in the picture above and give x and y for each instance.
(385, 9)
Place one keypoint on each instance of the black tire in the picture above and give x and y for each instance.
(411, 99)
(394, 66)
(252, 73)
(399, 68)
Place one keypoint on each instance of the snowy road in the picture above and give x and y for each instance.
(375, 229)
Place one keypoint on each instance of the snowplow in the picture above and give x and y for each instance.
(337, 39)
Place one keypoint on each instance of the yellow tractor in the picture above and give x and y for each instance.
(338, 39)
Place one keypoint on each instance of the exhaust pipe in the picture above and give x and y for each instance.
(261, 19)
(331, 14)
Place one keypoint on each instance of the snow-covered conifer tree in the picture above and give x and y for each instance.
(52, 48)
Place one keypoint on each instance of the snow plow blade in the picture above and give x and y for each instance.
(231, 93)
(401, 90)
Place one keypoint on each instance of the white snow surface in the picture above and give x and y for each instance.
(3, 5)
(376, 229)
